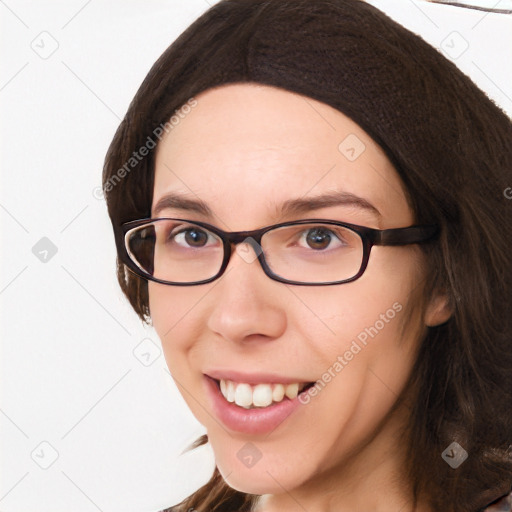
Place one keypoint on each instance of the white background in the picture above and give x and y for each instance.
(86, 393)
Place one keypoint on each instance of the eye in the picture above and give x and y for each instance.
(192, 237)
(319, 238)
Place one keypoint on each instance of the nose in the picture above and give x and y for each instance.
(248, 305)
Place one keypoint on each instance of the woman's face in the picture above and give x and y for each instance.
(245, 150)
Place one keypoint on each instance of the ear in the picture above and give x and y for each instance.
(438, 310)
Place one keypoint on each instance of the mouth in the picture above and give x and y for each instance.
(255, 404)
(261, 395)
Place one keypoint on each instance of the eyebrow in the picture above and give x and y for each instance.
(289, 207)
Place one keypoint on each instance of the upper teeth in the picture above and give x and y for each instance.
(260, 395)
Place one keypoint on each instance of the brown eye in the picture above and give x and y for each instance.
(318, 238)
(193, 237)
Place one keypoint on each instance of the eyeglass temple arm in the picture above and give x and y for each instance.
(405, 236)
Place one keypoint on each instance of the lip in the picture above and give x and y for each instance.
(251, 378)
(248, 421)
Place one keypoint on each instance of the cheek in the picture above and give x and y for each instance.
(358, 346)
(173, 317)
(372, 307)
(173, 308)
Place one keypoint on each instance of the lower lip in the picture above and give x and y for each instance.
(249, 421)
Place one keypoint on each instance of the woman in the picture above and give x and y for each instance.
(308, 205)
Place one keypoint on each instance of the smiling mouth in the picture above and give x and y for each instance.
(260, 395)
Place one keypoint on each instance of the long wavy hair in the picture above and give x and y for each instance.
(452, 148)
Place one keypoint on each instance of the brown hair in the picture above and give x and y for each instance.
(452, 148)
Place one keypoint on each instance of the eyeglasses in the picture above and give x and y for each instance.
(310, 252)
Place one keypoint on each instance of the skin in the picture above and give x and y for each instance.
(244, 149)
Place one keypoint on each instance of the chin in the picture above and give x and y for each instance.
(263, 477)
(252, 481)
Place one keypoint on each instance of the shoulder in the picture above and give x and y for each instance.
(504, 504)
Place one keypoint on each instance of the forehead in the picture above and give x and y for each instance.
(246, 148)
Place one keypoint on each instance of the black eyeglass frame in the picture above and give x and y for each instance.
(369, 236)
